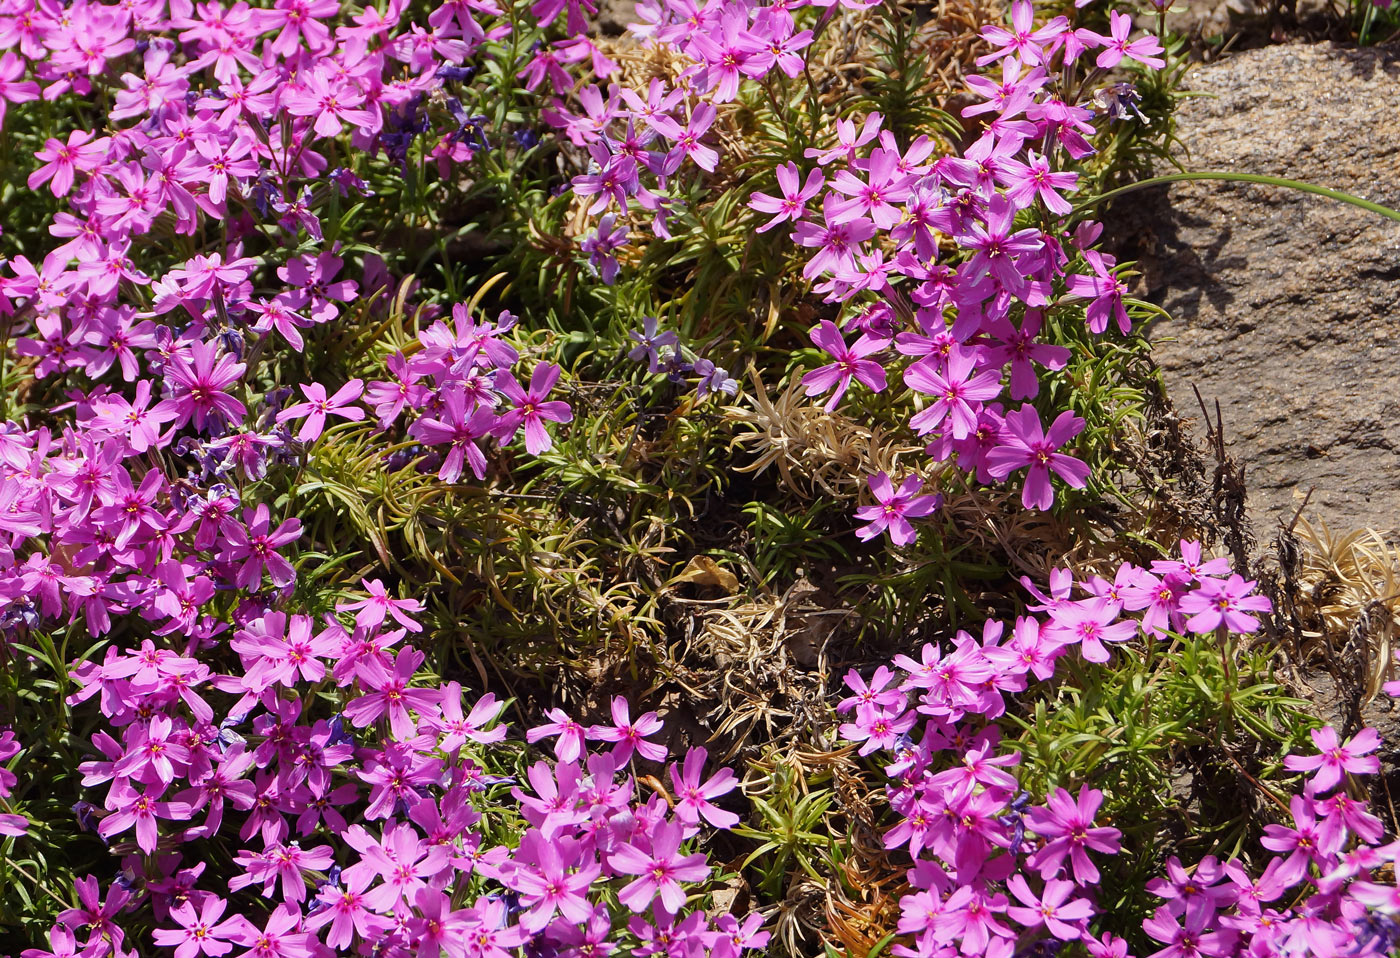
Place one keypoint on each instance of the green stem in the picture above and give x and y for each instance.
(1385, 211)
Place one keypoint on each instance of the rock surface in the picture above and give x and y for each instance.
(1286, 306)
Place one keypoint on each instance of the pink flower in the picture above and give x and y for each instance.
(199, 386)
(693, 796)
(661, 870)
(257, 548)
(1062, 918)
(373, 610)
(793, 205)
(531, 408)
(1228, 603)
(1024, 444)
(199, 933)
(569, 748)
(1025, 181)
(318, 406)
(1337, 759)
(62, 161)
(958, 390)
(1117, 46)
(630, 736)
(895, 508)
(850, 364)
(1069, 826)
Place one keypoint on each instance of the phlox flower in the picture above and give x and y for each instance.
(1306, 842)
(894, 509)
(628, 735)
(392, 696)
(343, 907)
(878, 729)
(1117, 47)
(1226, 603)
(876, 694)
(318, 406)
(1189, 941)
(958, 389)
(256, 547)
(1337, 759)
(662, 869)
(1026, 181)
(1025, 444)
(1021, 41)
(792, 206)
(457, 728)
(531, 408)
(373, 610)
(198, 386)
(544, 872)
(1062, 917)
(1068, 824)
(1091, 623)
(569, 747)
(62, 161)
(1105, 292)
(850, 364)
(693, 796)
(201, 932)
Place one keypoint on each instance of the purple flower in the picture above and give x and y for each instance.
(661, 870)
(1228, 603)
(531, 408)
(850, 363)
(894, 509)
(1024, 444)
(1069, 826)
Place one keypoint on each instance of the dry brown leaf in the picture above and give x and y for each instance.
(702, 570)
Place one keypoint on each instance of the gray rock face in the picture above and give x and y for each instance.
(1286, 306)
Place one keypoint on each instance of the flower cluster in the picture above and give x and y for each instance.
(1318, 891)
(993, 874)
(368, 823)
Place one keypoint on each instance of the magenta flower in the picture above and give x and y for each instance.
(199, 386)
(793, 204)
(543, 873)
(693, 796)
(1069, 826)
(373, 610)
(1228, 603)
(202, 933)
(1105, 290)
(1191, 940)
(531, 408)
(1025, 181)
(257, 548)
(1337, 759)
(1024, 444)
(850, 363)
(1306, 842)
(318, 406)
(344, 908)
(630, 736)
(894, 509)
(1117, 46)
(1061, 917)
(62, 161)
(958, 390)
(390, 695)
(1021, 41)
(569, 748)
(661, 870)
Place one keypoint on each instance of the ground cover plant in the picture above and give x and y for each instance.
(502, 478)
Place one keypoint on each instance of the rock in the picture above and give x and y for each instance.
(1284, 304)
